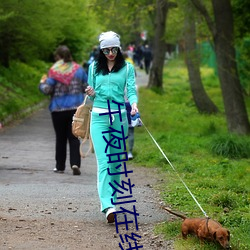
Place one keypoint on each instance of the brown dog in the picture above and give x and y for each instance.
(204, 229)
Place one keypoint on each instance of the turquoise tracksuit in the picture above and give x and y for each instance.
(109, 87)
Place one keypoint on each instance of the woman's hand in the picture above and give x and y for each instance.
(90, 91)
(134, 109)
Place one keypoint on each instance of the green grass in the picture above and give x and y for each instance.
(19, 88)
(214, 164)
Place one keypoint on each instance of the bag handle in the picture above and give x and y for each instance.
(85, 99)
(85, 139)
(90, 149)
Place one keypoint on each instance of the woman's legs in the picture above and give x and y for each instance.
(100, 124)
(61, 139)
(62, 125)
(74, 143)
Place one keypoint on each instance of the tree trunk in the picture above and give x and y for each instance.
(223, 38)
(235, 109)
(201, 99)
(159, 47)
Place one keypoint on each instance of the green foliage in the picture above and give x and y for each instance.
(175, 25)
(241, 17)
(243, 59)
(176, 18)
(128, 18)
(224, 200)
(29, 33)
(170, 230)
(231, 146)
(19, 87)
(219, 183)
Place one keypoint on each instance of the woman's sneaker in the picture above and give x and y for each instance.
(110, 214)
(130, 156)
(76, 170)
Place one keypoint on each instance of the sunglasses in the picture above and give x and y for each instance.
(106, 51)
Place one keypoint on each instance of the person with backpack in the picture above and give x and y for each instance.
(65, 83)
(108, 78)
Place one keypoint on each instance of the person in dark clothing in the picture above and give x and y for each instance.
(147, 54)
(138, 56)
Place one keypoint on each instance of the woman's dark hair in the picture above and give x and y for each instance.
(102, 67)
(63, 52)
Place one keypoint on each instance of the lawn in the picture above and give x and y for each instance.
(199, 151)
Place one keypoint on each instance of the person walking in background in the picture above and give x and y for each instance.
(138, 52)
(131, 129)
(127, 57)
(93, 55)
(65, 83)
(147, 54)
(108, 78)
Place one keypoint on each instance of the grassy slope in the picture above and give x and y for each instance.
(19, 88)
(220, 184)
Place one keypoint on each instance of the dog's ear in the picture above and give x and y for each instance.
(228, 237)
(214, 235)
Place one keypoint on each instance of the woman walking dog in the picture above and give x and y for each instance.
(108, 78)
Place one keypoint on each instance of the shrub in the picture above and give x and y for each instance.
(223, 200)
(231, 146)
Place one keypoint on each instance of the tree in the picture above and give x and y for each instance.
(127, 17)
(159, 46)
(28, 33)
(201, 99)
(223, 38)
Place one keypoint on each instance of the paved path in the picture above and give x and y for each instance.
(141, 78)
(29, 189)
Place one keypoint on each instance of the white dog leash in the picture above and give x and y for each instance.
(174, 170)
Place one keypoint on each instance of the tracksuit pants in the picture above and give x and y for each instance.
(99, 125)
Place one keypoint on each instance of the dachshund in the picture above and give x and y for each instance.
(204, 229)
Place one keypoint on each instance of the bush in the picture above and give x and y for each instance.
(231, 146)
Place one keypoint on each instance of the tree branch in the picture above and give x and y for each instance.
(202, 9)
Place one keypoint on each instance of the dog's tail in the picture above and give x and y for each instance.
(175, 213)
